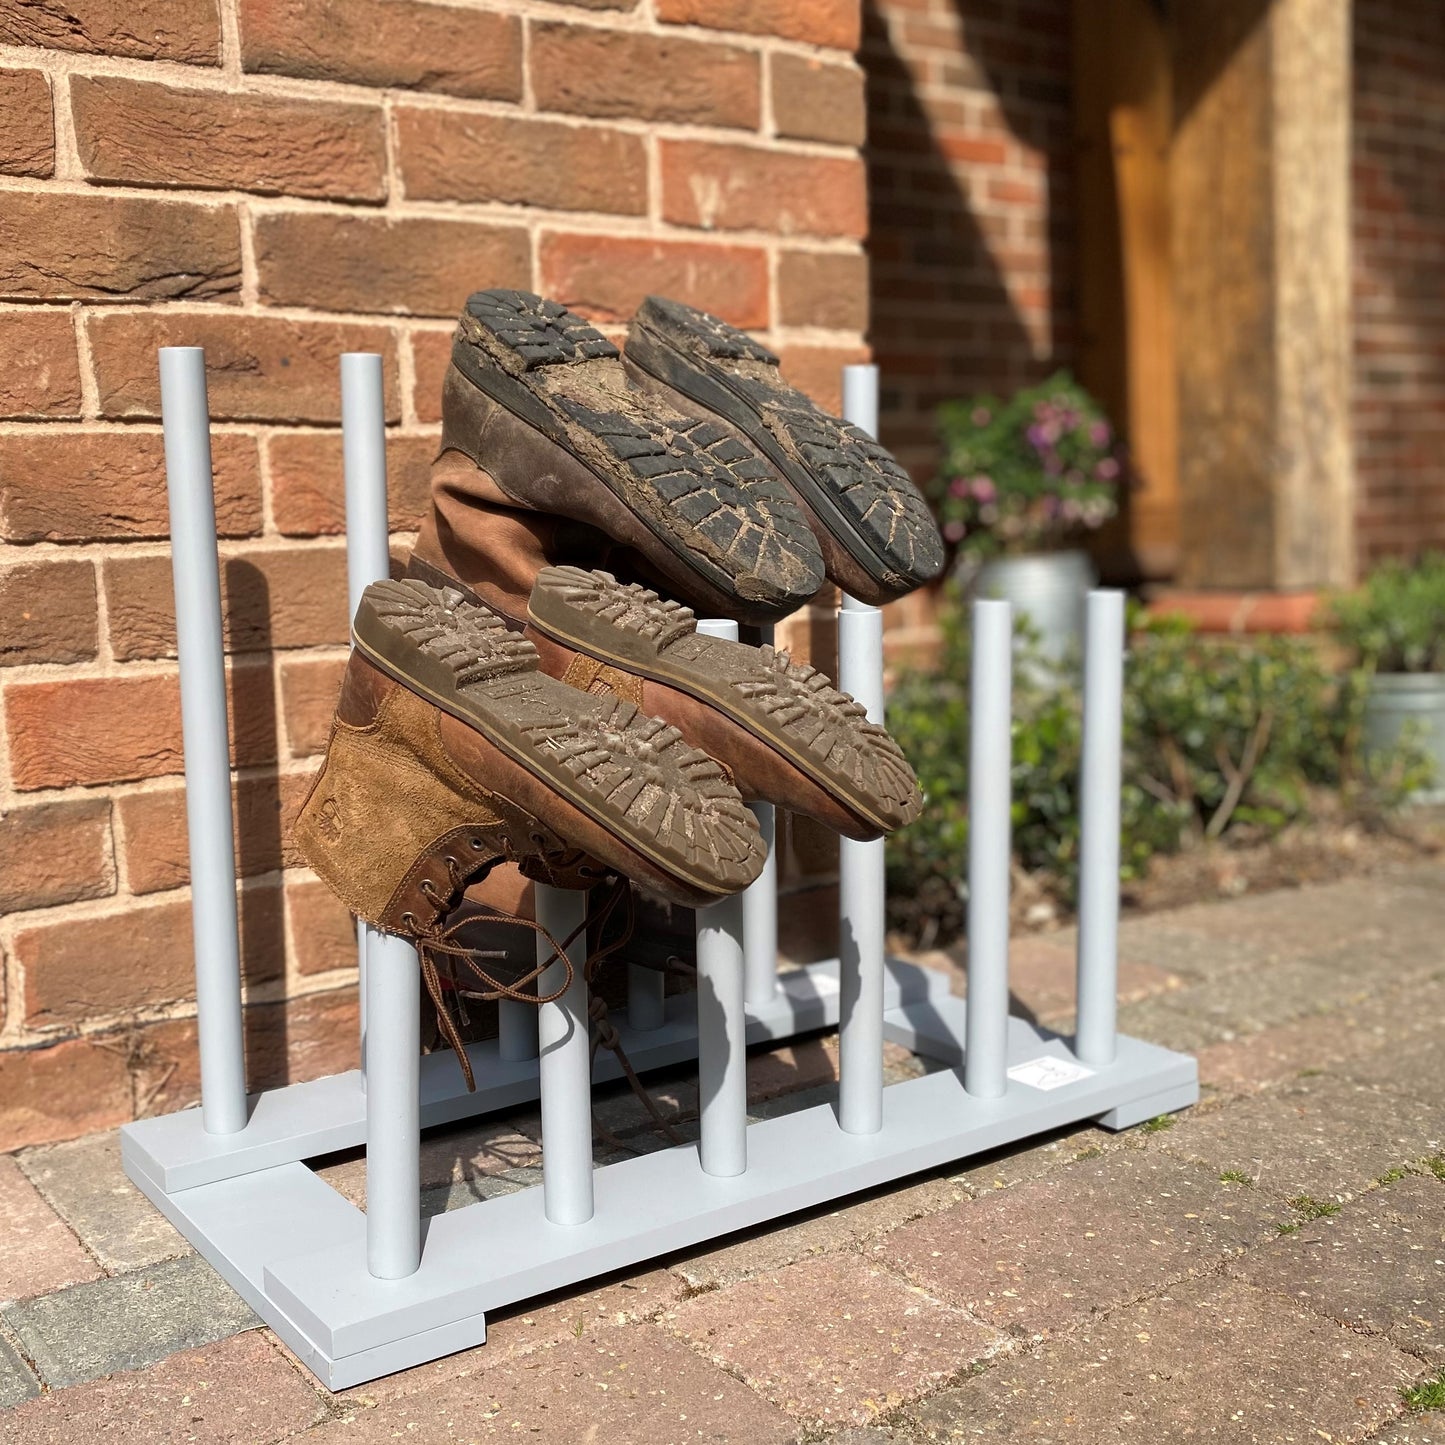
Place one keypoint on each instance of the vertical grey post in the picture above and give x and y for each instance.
(989, 762)
(368, 560)
(196, 574)
(393, 1122)
(862, 902)
(722, 1059)
(1094, 1042)
(760, 916)
(566, 1064)
(760, 908)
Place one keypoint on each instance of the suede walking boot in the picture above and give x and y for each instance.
(452, 752)
(878, 537)
(784, 735)
(539, 401)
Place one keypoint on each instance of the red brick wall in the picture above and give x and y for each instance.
(1399, 236)
(279, 181)
(969, 178)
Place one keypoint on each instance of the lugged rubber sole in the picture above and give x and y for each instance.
(791, 707)
(710, 499)
(867, 502)
(632, 774)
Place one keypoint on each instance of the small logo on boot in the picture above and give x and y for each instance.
(328, 820)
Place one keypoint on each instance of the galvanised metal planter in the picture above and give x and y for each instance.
(1047, 590)
(1398, 702)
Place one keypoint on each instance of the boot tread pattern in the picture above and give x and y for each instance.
(622, 765)
(687, 477)
(830, 728)
(864, 478)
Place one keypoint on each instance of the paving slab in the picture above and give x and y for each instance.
(1037, 1259)
(17, 1379)
(634, 1386)
(41, 1253)
(240, 1390)
(1414, 1066)
(1378, 1266)
(835, 1340)
(128, 1321)
(1324, 1136)
(1203, 1361)
(522, 1330)
(84, 1182)
(1425, 1429)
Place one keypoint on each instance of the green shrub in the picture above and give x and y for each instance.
(1396, 621)
(1222, 738)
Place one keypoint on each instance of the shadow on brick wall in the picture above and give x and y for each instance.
(968, 170)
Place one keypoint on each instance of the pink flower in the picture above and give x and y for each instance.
(983, 489)
(958, 487)
(1099, 433)
(1107, 469)
(955, 531)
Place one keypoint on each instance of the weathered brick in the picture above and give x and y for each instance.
(42, 376)
(241, 1388)
(27, 123)
(417, 266)
(732, 187)
(586, 70)
(449, 48)
(323, 933)
(93, 485)
(823, 288)
(41, 1254)
(57, 247)
(154, 135)
(813, 100)
(307, 487)
(624, 1385)
(309, 689)
(607, 277)
(823, 22)
(258, 368)
(273, 597)
(118, 729)
(448, 157)
(431, 354)
(185, 30)
(1201, 1361)
(154, 842)
(61, 1091)
(818, 371)
(80, 969)
(808, 1337)
(47, 612)
(55, 853)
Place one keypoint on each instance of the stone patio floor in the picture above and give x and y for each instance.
(1268, 1267)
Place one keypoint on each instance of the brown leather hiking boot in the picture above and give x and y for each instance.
(878, 537)
(451, 752)
(541, 404)
(784, 735)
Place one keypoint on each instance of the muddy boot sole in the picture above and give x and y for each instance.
(630, 773)
(789, 706)
(704, 495)
(855, 488)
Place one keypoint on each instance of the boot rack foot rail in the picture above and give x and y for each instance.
(357, 1295)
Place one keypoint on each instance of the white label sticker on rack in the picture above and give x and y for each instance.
(1048, 1072)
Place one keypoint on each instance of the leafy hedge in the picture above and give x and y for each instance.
(1222, 738)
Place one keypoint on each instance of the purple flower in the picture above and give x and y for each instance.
(1107, 469)
(1100, 434)
(955, 531)
(1037, 438)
